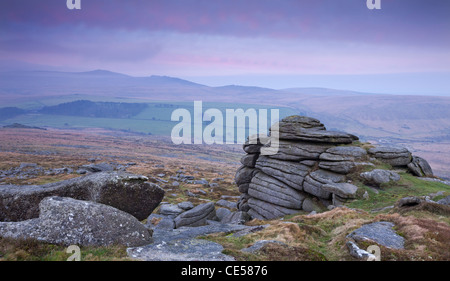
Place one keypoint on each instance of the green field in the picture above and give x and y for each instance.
(155, 119)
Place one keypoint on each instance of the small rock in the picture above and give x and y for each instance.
(358, 253)
(379, 232)
(409, 201)
(226, 204)
(186, 205)
(378, 176)
(170, 210)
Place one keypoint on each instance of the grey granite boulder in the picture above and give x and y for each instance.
(221, 213)
(393, 155)
(343, 190)
(420, 167)
(378, 176)
(226, 204)
(244, 175)
(124, 191)
(186, 205)
(315, 181)
(170, 210)
(380, 232)
(74, 222)
(236, 218)
(249, 160)
(196, 216)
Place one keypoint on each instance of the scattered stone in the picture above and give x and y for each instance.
(186, 205)
(222, 213)
(202, 182)
(170, 210)
(409, 201)
(175, 184)
(226, 204)
(379, 232)
(236, 218)
(444, 201)
(358, 253)
(343, 190)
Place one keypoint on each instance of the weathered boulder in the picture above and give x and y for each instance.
(315, 181)
(221, 213)
(244, 175)
(249, 160)
(121, 190)
(380, 232)
(236, 218)
(393, 155)
(74, 222)
(227, 204)
(186, 205)
(420, 167)
(378, 176)
(196, 216)
(170, 210)
(343, 190)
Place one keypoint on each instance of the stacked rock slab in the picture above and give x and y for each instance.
(309, 169)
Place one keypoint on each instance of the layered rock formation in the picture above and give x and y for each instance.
(309, 170)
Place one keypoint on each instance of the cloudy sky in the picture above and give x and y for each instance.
(402, 48)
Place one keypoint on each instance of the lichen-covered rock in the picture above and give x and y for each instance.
(121, 190)
(378, 176)
(74, 222)
(420, 167)
(196, 216)
(393, 155)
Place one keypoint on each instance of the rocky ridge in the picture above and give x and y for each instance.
(309, 171)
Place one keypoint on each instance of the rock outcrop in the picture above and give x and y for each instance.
(74, 222)
(309, 170)
(124, 191)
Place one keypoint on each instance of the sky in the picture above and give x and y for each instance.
(402, 48)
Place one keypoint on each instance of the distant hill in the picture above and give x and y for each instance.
(87, 108)
(21, 126)
(10, 112)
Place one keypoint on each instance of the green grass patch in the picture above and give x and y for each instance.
(390, 193)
